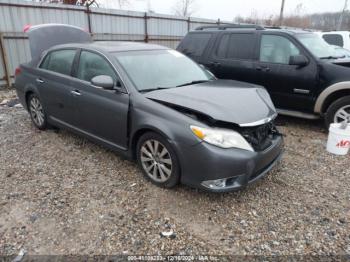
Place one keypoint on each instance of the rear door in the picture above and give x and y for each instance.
(54, 83)
(101, 113)
(194, 45)
(291, 87)
(233, 56)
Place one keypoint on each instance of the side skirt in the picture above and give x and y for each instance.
(298, 114)
(98, 140)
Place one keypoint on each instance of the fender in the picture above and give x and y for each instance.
(327, 92)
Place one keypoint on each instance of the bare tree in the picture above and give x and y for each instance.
(184, 7)
(72, 2)
(123, 3)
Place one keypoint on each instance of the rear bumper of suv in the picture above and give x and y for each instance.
(216, 169)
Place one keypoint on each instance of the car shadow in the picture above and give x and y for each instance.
(308, 124)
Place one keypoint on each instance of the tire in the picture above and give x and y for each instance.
(334, 108)
(158, 160)
(37, 112)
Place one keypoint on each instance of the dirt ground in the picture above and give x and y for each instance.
(61, 194)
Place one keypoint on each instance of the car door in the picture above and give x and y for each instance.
(54, 82)
(290, 86)
(194, 45)
(100, 113)
(233, 57)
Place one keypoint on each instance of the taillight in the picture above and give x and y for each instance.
(17, 71)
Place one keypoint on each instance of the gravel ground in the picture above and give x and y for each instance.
(60, 194)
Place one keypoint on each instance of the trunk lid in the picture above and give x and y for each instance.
(45, 36)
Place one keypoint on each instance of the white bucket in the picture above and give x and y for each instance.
(338, 139)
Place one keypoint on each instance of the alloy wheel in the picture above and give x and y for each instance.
(36, 111)
(343, 114)
(156, 160)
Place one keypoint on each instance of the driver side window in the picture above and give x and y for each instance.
(91, 65)
(277, 49)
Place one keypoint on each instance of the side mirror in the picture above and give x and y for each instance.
(298, 60)
(103, 81)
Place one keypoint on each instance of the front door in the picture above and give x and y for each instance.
(290, 86)
(100, 113)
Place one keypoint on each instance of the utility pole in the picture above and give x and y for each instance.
(342, 15)
(281, 13)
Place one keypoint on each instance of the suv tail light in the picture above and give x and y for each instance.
(17, 71)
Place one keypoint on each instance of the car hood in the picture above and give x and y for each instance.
(222, 100)
(342, 62)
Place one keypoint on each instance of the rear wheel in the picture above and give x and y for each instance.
(158, 160)
(36, 111)
(338, 111)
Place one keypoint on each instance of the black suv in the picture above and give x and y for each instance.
(302, 73)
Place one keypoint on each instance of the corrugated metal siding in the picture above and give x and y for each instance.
(13, 18)
(105, 25)
(17, 52)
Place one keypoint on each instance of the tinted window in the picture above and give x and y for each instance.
(277, 49)
(195, 44)
(91, 65)
(59, 61)
(236, 46)
(334, 39)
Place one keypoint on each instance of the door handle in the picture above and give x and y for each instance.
(263, 68)
(216, 64)
(39, 80)
(75, 93)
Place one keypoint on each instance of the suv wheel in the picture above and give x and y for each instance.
(36, 111)
(338, 111)
(158, 160)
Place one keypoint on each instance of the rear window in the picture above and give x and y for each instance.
(236, 46)
(60, 61)
(194, 44)
(334, 39)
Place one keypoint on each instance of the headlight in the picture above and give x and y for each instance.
(223, 138)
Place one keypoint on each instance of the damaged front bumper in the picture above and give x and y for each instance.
(216, 169)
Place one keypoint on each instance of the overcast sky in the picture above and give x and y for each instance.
(228, 9)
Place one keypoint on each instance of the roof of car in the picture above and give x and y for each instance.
(114, 46)
(239, 28)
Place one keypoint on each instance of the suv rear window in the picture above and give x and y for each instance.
(60, 61)
(194, 44)
(236, 46)
(334, 39)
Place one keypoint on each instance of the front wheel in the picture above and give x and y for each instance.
(36, 111)
(338, 111)
(158, 161)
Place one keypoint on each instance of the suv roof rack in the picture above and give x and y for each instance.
(230, 26)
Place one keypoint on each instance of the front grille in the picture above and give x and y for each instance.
(260, 137)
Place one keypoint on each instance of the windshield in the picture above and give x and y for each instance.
(158, 69)
(317, 45)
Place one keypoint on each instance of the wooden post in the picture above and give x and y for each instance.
(88, 13)
(146, 27)
(281, 13)
(5, 61)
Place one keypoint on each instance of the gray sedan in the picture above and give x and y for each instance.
(157, 106)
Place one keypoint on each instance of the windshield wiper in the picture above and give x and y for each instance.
(153, 89)
(193, 83)
(331, 57)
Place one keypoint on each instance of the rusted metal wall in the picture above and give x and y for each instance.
(104, 25)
